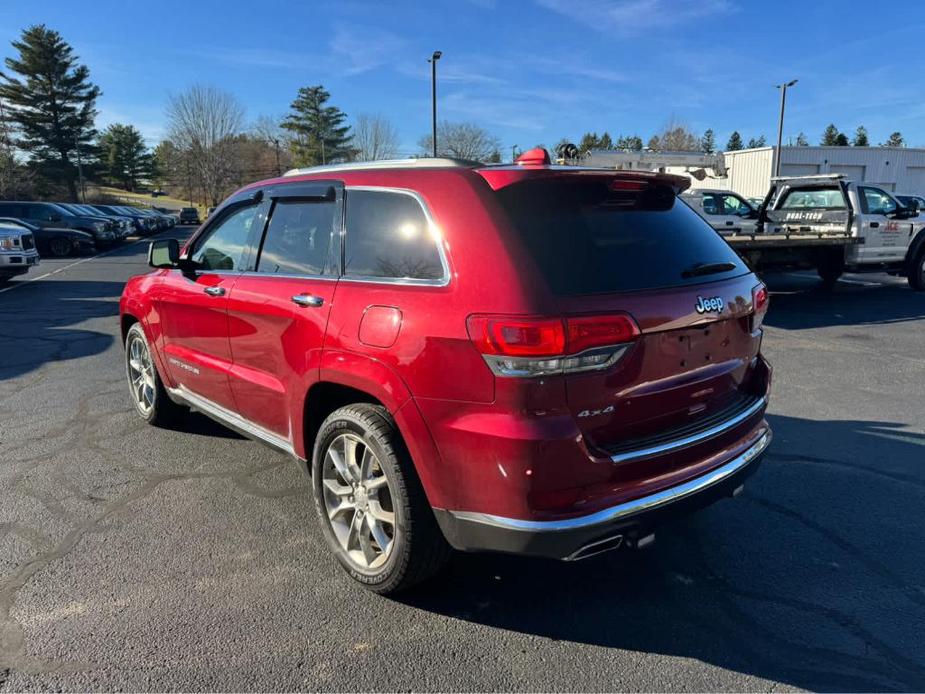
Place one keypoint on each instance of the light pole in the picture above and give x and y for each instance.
(433, 95)
(780, 123)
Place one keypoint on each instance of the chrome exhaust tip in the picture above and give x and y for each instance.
(608, 544)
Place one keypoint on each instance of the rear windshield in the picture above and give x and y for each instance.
(588, 239)
(189, 209)
(813, 198)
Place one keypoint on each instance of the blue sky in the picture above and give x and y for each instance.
(529, 71)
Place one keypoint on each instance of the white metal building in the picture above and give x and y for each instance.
(749, 171)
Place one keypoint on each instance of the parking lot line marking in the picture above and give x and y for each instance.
(77, 262)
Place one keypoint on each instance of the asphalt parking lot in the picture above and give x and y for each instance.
(135, 558)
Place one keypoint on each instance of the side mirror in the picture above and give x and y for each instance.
(164, 253)
(905, 212)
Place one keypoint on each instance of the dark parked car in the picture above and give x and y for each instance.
(142, 223)
(56, 242)
(525, 359)
(123, 223)
(189, 215)
(48, 214)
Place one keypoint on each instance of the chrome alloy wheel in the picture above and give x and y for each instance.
(358, 502)
(141, 375)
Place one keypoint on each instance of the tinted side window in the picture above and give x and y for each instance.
(10, 210)
(875, 201)
(388, 236)
(299, 239)
(711, 204)
(225, 245)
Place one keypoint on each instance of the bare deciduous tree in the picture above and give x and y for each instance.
(203, 121)
(461, 141)
(374, 137)
(676, 137)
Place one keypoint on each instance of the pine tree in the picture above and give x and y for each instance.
(123, 156)
(588, 142)
(860, 137)
(318, 134)
(51, 100)
(708, 142)
(894, 140)
(605, 141)
(802, 140)
(830, 136)
(841, 140)
(735, 142)
(760, 141)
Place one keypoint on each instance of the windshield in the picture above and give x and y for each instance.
(588, 239)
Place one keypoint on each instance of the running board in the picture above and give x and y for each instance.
(230, 419)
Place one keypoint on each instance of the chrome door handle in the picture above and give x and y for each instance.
(307, 300)
(214, 291)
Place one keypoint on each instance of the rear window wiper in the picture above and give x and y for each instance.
(700, 269)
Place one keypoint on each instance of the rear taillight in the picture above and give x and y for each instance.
(517, 346)
(760, 300)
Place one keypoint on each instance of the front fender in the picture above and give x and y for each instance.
(918, 242)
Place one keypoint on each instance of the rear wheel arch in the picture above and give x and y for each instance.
(127, 321)
(321, 400)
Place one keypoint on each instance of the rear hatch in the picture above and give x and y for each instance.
(615, 245)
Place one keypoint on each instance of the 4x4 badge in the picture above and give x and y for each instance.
(712, 305)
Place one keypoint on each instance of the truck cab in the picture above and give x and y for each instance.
(17, 251)
(727, 212)
(882, 235)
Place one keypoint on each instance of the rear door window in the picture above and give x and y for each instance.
(388, 237)
(589, 239)
(299, 239)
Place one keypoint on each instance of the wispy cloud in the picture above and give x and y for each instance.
(629, 17)
(253, 57)
(358, 49)
(569, 66)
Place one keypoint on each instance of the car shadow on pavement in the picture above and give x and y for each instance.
(813, 577)
(37, 322)
(199, 425)
(799, 303)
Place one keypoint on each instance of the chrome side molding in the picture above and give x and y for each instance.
(230, 419)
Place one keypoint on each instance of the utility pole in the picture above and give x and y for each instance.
(513, 153)
(279, 171)
(80, 169)
(780, 123)
(433, 96)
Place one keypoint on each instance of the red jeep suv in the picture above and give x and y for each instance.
(527, 358)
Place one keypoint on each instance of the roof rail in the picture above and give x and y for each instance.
(816, 177)
(422, 163)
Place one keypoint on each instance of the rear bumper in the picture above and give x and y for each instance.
(573, 538)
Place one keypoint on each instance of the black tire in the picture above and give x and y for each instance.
(160, 409)
(916, 274)
(60, 248)
(418, 549)
(830, 267)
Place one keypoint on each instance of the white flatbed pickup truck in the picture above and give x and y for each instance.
(834, 225)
